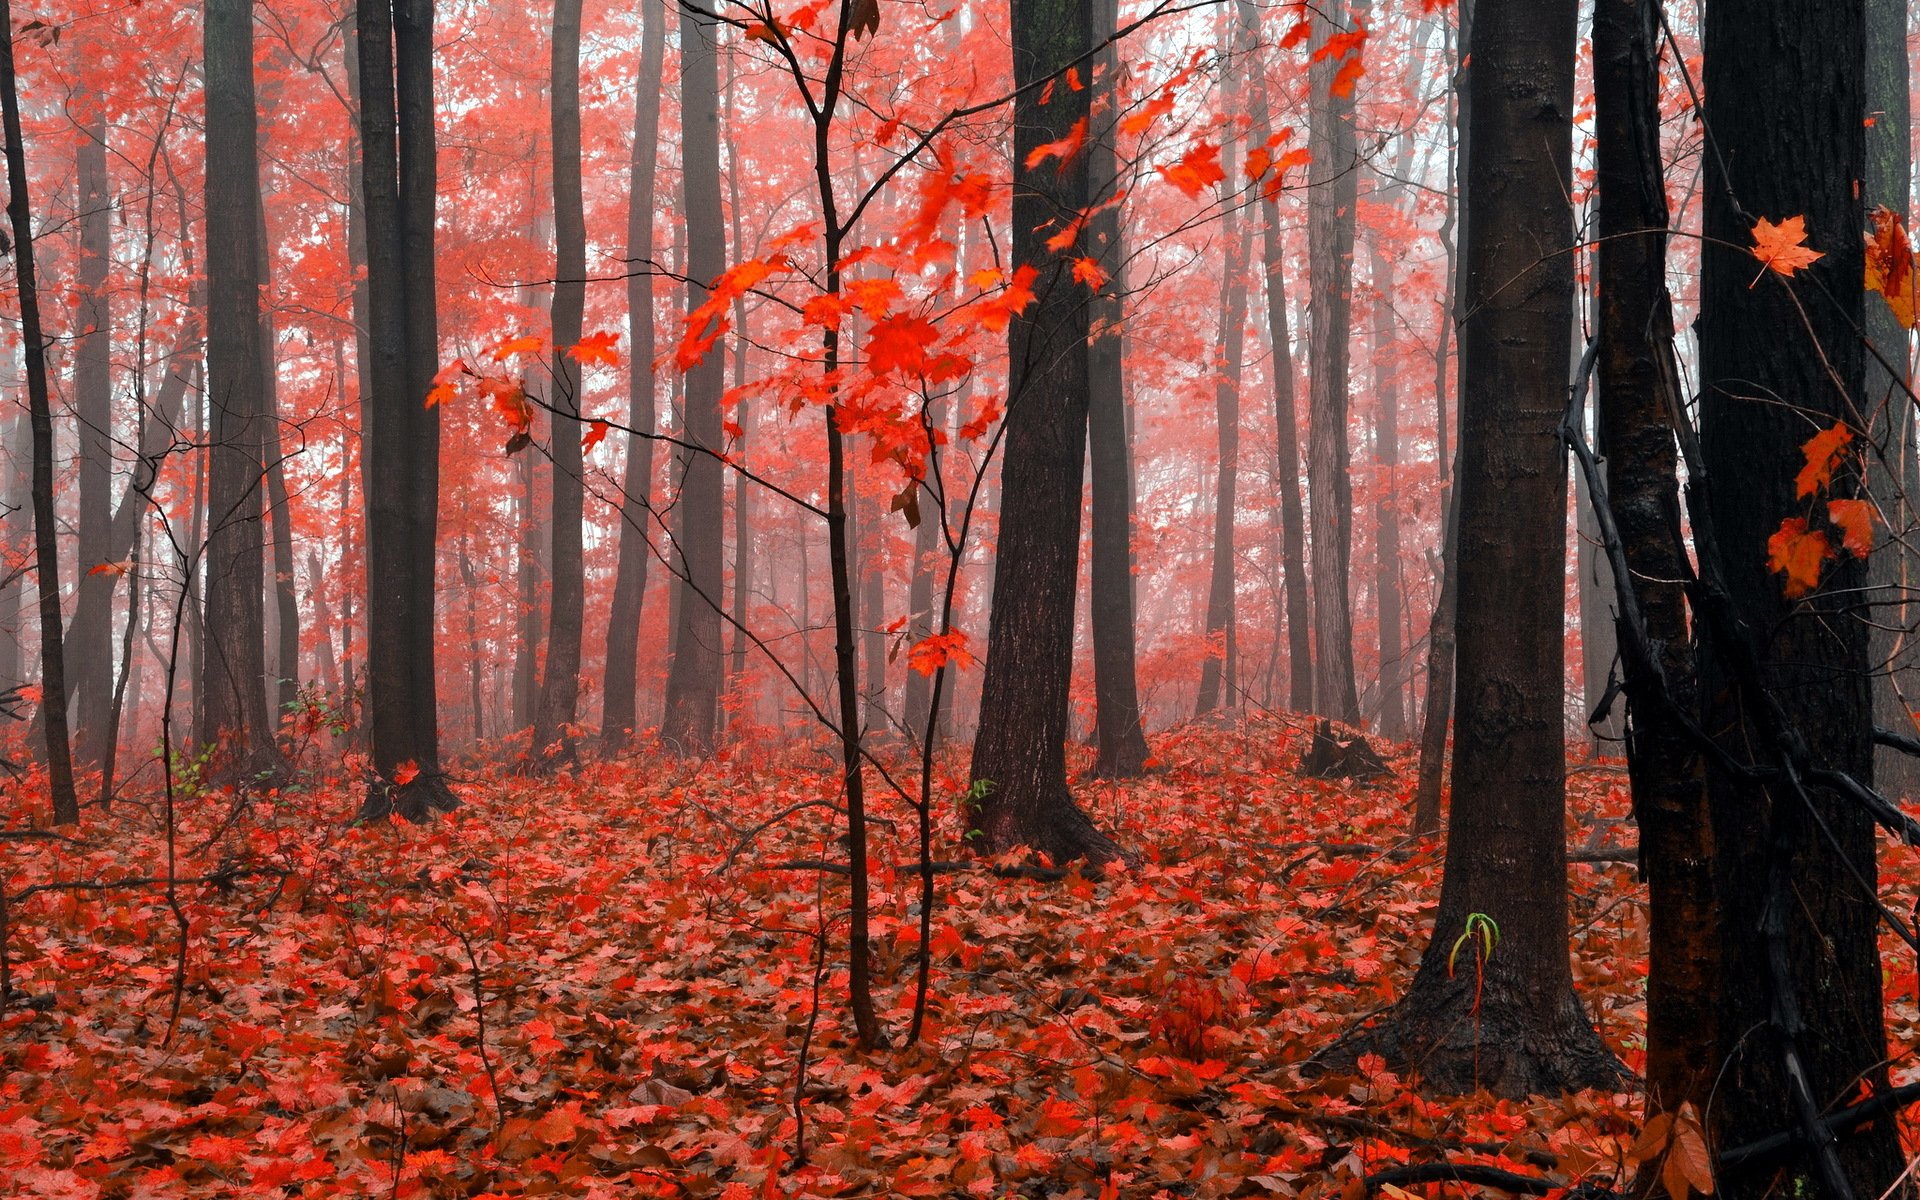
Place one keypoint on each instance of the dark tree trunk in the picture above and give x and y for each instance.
(1219, 685)
(53, 681)
(17, 524)
(922, 619)
(1386, 513)
(1508, 1020)
(471, 585)
(1598, 645)
(630, 573)
(742, 487)
(693, 681)
(284, 678)
(1287, 475)
(1122, 752)
(234, 706)
(90, 647)
(1796, 881)
(1333, 179)
(1019, 752)
(403, 439)
(560, 679)
(1891, 478)
(526, 646)
(1637, 409)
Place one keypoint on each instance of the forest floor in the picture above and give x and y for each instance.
(601, 986)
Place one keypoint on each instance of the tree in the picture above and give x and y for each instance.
(1636, 374)
(402, 442)
(630, 571)
(53, 682)
(234, 711)
(1332, 192)
(1019, 768)
(693, 680)
(1502, 1014)
(1795, 869)
(560, 678)
(1122, 751)
(91, 644)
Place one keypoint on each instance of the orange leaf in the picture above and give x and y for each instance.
(406, 772)
(1064, 149)
(1087, 271)
(1890, 266)
(1197, 170)
(1854, 520)
(111, 568)
(1783, 247)
(1799, 553)
(596, 433)
(596, 348)
(1823, 451)
(510, 401)
(930, 654)
(527, 343)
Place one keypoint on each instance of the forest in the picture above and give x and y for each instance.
(748, 599)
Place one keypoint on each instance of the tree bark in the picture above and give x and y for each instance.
(1386, 513)
(284, 677)
(636, 513)
(53, 682)
(403, 440)
(1333, 189)
(1637, 411)
(693, 681)
(90, 647)
(559, 702)
(1122, 743)
(1796, 880)
(1019, 768)
(234, 707)
(1504, 1016)
(1219, 685)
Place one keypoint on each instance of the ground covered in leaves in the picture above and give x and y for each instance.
(602, 986)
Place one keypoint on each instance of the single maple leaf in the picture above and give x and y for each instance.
(115, 569)
(1087, 271)
(596, 433)
(406, 772)
(1890, 266)
(1823, 451)
(596, 348)
(1783, 247)
(527, 343)
(1854, 520)
(1064, 149)
(1798, 553)
(1197, 170)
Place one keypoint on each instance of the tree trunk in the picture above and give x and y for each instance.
(234, 705)
(1598, 646)
(693, 681)
(742, 487)
(284, 679)
(1333, 189)
(1219, 686)
(636, 514)
(90, 647)
(1504, 1016)
(53, 681)
(1636, 371)
(1122, 752)
(403, 440)
(1386, 512)
(526, 646)
(560, 680)
(1019, 754)
(1796, 880)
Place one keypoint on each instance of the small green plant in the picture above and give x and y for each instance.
(1487, 930)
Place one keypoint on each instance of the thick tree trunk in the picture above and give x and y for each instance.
(234, 705)
(1019, 754)
(1796, 880)
(636, 514)
(693, 681)
(1504, 1016)
(1598, 645)
(1637, 410)
(403, 440)
(53, 681)
(90, 647)
(1333, 189)
(1122, 743)
(560, 680)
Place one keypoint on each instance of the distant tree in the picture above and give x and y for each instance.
(402, 440)
(559, 701)
(1801, 1013)
(53, 681)
(1480, 1013)
(693, 679)
(630, 570)
(91, 645)
(1019, 752)
(234, 710)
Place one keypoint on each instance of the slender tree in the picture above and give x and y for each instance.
(1019, 752)
(53, 681)
(1503, 1015)
(693, 680)
(1333, 190)
(1801, 1016)
(402, 440)
(630, 570)
(234, 706)
(90, 646)
(560, 679)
